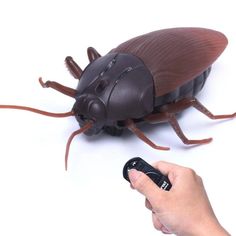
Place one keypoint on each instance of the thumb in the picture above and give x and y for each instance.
(146, 186)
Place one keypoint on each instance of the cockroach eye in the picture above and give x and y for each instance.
(97, 110)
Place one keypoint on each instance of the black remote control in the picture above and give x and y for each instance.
(155, 175)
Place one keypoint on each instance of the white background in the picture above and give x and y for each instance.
(37, 197)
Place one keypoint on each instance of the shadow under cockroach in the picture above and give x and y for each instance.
(148, 79)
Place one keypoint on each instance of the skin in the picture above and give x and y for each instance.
(185, 210)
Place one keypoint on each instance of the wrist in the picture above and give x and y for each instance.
(207, 228)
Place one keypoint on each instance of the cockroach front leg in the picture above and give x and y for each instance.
(92, 54)
(61, 88)
(73, 67)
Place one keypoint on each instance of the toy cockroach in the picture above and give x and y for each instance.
(150, 78)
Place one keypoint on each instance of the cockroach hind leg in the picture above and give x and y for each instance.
(225, 116)
(196, 104)
(175, 125)
(171, 119)
(60, 88)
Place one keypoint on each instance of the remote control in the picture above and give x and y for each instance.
(155, 175)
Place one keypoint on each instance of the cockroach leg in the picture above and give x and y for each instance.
(73, 67)
(61, 88)
(92, 54)
(132, 127)
(193, 102)
(175, 125)
(168, 117)
(79, 131)
(196, 104)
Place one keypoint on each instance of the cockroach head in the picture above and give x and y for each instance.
(89, 108)
(112, 89)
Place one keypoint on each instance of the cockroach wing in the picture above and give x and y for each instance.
(175, 56)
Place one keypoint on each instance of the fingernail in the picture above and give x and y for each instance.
(133, 175)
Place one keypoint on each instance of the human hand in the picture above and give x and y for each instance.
(185, 209)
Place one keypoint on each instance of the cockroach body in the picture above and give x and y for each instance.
(149, 78)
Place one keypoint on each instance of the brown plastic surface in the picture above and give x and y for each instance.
(175, 56)
(169, 58)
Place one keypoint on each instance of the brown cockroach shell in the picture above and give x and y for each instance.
(177, 55)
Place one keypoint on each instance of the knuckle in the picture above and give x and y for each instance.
(161, 162)
(199, 179)
(190, 172)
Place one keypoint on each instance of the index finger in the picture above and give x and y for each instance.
(169, 169)
(166, 167)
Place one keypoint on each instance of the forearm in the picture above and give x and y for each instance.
(208, 228)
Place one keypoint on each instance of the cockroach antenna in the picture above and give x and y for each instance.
(150, 78)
